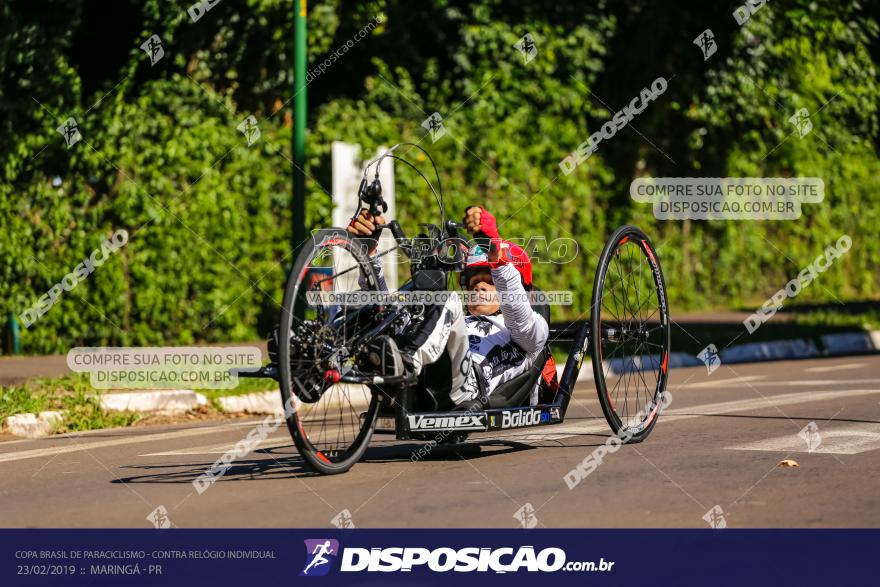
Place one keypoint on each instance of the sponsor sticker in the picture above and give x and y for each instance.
(519, 418)
(463, 422)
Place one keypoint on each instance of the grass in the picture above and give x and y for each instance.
(18, 399)
(80, 402)
(71, 394)
(864, 320)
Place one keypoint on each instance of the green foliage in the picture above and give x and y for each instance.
(20, 399)
(202, 211)
(795, 55)
(82, 411)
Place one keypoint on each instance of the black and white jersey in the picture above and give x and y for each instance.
(501, 346)
(508, 343)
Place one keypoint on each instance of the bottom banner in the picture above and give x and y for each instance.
(434, 557)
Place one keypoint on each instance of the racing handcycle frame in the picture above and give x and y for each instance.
(401, 395)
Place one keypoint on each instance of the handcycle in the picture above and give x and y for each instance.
(330, 358)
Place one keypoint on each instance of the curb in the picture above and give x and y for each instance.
(174, 401)
(829, 345)
(857, 342)
(169, 402)
(269, 402)
(261, 402)
(780, 350)
(33, 425)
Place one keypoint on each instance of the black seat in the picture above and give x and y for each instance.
(516, 391)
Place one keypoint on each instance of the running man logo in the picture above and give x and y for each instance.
(810, 435)
(706, 43)
(710, 358)
(434, 125)
(70, 131)
(320, 553)
(153, 48)
(801, 122)
(715, 518)
(526, 516)
(159, 518)
(527, 47)
(249, 129)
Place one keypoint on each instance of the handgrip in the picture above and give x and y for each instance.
(396, 230)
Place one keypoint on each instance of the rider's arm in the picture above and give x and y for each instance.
(527, 328)
(380, 275)
(363, 226)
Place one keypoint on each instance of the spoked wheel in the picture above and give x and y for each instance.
(332, 423)
(629, 328)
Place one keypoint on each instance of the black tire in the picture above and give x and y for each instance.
(630, 306)
(322, 452)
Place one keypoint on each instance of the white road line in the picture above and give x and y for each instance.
(714, 382)
(792, 383)
(74, 446)
(597, 426)
(834, 368)
(219, 449)
(842, 439)
(824, 382)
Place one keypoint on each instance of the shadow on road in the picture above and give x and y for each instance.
(792, 418)
(249, 469)
(426, 451)
(278, 462)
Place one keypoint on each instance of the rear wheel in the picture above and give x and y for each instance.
(331, 423)
(630, 337)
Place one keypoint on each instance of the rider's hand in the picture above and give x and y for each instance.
(364, 224)
(481, 223)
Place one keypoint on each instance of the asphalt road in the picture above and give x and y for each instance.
(712, 459)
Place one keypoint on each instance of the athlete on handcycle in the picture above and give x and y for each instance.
(349, 367)
(501, 337)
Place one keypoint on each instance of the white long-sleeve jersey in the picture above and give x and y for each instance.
(505, 345)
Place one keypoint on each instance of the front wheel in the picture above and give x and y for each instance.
(629, 334)
(332, 423)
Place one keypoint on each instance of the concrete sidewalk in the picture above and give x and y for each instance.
(17, 369)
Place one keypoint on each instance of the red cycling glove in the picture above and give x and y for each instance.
(488, 224)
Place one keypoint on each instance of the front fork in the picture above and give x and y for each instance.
(581, 341)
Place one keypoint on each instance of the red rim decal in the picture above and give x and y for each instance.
(623, 241)
(651, 416)
(322, 457)
(649, 251)
(665, 361)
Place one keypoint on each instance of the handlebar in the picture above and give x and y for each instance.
(431, 243)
